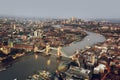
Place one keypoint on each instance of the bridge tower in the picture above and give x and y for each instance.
(59, 52)
(93, 59)
(47, 49)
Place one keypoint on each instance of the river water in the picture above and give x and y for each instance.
(27, 65)
(89, 40)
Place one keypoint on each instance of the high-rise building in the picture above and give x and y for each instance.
(73, 18)
(10, 44)
(40, 33)
(35, 33)
(14, 26)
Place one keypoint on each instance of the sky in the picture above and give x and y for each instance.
(61, 8)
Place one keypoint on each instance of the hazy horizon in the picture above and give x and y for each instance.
(61, 9)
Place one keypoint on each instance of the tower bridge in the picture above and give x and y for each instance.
(48, 48)
(59, 51)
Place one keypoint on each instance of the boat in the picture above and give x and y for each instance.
(15, 79)
(2, 69)
(40, 75)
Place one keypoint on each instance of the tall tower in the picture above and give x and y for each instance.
(59, 51)
(35, 34)
(93, 59)
(40, 32)
(47, 49)
(73, 18)
(14, 26)
(10, 44)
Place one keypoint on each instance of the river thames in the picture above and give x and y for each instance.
(29, 64)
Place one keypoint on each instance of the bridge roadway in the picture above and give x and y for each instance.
(43, 50)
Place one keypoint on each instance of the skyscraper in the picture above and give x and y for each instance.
(35, 33)
(14, 26)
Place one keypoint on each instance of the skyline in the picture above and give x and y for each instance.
(61, 9)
